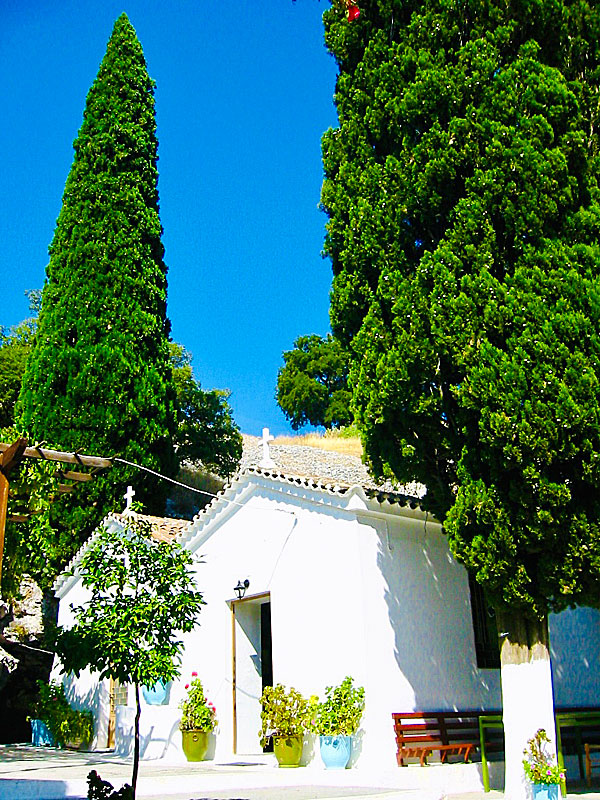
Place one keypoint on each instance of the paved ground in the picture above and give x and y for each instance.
(34, 773)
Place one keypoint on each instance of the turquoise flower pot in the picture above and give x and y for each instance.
(545, 791)
(155, 695)
(40, 735)
(335, 751)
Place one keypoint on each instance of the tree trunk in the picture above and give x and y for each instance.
(136, 741)
(527, 698)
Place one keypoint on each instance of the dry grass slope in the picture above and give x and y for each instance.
(349, 446)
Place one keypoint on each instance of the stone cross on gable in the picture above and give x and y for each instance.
(128, 497)
(266, 461)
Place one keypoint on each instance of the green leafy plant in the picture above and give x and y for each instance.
(340, 713)
(284, 713)
(538, 764)
(197, 713)
(65, 723)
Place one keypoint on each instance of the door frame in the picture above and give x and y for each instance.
(253, 598)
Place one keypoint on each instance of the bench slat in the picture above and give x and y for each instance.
(421, 733)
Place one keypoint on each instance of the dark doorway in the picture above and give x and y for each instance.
(266, 652)
(266, 655)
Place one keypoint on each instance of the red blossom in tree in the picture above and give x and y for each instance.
(353, 13)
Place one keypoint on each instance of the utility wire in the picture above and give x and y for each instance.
(199, 491)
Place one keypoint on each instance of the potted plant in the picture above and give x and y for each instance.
(155, 695)
(198, 720)
(540, 768)
(68, 726)
(285, 716)
(336, 720)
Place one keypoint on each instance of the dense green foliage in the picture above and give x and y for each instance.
(312, 385)
(141, 598)
(15, 346)
(67, 725)
(99, 378)
(462, 194)
(206, 433)
(32, 546)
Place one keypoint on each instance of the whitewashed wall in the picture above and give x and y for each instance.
(356, 588)
(85, 692)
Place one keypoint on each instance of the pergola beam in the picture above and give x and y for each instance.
(57, 455)
(13, 454)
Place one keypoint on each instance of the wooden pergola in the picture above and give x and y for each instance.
(11, 455)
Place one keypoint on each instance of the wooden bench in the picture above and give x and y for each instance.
(421, 733)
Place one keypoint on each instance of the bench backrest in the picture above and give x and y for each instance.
(416, 728)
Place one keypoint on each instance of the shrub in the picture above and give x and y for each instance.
(65, 723)
(284, 713)
(340, 713)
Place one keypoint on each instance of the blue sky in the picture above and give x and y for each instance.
(244, 93)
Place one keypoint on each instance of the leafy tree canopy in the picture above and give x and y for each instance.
(312, 385)
(206, 431)
(462, 194)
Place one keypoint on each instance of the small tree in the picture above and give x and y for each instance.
(206, 431)
(141, 598)
(312, 385)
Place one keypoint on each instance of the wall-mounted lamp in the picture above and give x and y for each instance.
(240, 589)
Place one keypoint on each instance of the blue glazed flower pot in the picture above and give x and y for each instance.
(40, 735)
(545, 791)
(335, 751)
(155, 695)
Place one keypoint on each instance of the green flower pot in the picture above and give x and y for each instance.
(288, 750)
(194, 744)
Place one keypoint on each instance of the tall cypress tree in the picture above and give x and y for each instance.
(98, 378)
(464, 222)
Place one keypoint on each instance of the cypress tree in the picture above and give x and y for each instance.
(98, 378)
(464, 221)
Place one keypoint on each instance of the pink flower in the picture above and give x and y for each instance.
(194, 674)
(187, 686)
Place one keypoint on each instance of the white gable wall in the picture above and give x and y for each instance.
(371, 595)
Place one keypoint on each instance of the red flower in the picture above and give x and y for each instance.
(194, 674)
(187, 686)
(353, 13)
